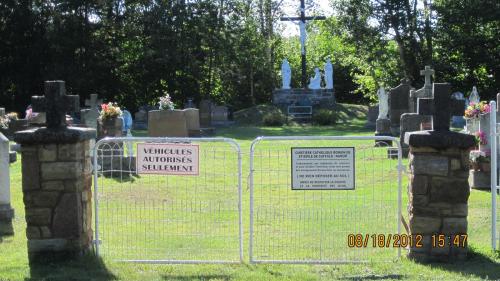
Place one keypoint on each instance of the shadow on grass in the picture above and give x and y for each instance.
(477, 264)
(89, 267)
(197, 277)
(375, 277)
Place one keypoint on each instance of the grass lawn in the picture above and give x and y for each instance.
(196, 218)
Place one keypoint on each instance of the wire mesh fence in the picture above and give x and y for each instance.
(324, 226)
(168, 218)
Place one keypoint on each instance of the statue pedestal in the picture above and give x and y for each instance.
(286, 97)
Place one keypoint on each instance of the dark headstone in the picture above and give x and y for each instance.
(441, 107)
(55, 104)
(399, 103)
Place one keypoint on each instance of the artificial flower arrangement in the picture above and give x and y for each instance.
(5, 120)
(474, 110)
(480, 160)
(110, 110)
(480, 137)
(166, 103)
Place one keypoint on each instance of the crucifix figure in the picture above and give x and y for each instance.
(441, 106)
(55, 104)
(303, 35)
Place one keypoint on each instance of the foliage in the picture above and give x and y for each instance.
(477, 156)
(109, 111)
(274, 119)
(324, 117)
(166, 103)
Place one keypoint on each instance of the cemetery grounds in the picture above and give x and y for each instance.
(482, 263)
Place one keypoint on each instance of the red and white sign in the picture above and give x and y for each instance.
(168, 159)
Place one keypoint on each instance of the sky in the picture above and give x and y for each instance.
(290, 6)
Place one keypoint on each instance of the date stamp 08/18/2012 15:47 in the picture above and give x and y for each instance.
(406, 240)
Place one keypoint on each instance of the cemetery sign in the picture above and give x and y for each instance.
(168, 159)
(323, 168)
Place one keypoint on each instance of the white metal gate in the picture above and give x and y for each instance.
(495, 188)
(324, 226)
(168, 218)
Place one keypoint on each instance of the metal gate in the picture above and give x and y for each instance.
(324, 226)
(495, 188)
(154, 218)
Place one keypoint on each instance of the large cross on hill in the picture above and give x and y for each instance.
(302, 28)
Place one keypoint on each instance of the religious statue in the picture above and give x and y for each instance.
(328, 74)
(315, 82)
(474, 96)
(383, 103)
(286, 74)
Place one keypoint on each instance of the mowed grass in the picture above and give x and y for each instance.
(155, 217)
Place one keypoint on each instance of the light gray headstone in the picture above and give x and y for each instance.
(2, 111)
(4, 171)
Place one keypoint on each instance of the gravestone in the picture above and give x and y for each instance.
(372, 116)
(57, 180)
(438, 190)
(89, 116)
(2, 112)
(141, 119)
(167, 123)
(398, 105)
(192, 122)
(206, 113)
(383, 124)
(220, 115)
(425, 91)
(6, 211)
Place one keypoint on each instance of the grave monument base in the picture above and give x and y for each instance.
(285, 97)
(480, 180)
(6, 216)
(383, 128)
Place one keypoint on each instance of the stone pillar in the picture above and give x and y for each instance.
(6, 212)
(56, 183)
(438, 194)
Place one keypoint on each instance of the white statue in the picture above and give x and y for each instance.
(383, 103)
(328, 74)
(315, 82)
(474, 96)
(286, 74)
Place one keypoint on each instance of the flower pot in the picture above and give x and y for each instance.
(110, 127)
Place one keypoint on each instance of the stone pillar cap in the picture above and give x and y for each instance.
(54, 136)
(439, 139)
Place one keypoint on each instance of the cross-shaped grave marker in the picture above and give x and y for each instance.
(441, 106)
(427, 72)
(55, 104)
(93, 102)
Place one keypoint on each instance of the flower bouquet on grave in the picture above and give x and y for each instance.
(475, 110)
(166, 103)
(5, 120)
(480, 160)
(110, 111)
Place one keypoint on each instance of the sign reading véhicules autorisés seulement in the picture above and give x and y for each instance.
(328, 168)
(168, 159)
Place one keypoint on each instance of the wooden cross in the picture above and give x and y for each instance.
(302, 24)
(441, 107)
(55, 104)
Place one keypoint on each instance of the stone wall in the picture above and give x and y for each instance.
(438, 193)
(57, 181)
